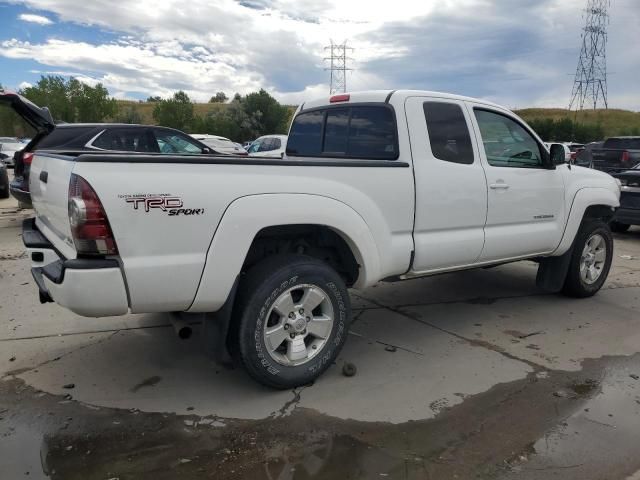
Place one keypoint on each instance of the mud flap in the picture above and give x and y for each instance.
(215, 330)
(552, 272)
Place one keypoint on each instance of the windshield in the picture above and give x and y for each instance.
(218, 143)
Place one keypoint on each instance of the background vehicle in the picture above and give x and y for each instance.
(574, 148)
(584, 157)
(268, 146)
(629, 212)
(375, 186)
(4, 181)
(79, 137)
(220, 144)
(8, 147)
(617, 153)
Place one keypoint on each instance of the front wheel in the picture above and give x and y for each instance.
(291, 320)
(590, 260)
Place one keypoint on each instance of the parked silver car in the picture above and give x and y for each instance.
(8, 147)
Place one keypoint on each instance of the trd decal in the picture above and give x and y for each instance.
(164, 202)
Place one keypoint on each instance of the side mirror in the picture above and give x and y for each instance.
(557, 154)
(206, 150)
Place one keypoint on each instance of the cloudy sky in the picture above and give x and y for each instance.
(520, 53)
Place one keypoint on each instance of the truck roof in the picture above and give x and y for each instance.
(386, 95)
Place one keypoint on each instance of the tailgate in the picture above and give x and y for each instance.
(608, 159)
(49, 186)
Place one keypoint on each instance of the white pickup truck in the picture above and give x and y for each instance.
(374, 186)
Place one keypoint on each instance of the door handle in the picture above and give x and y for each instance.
(498, 186)
(44, 176)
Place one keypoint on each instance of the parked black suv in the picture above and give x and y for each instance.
(629, 212)
(91, 137)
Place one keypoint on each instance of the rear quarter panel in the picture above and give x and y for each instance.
(164, 256)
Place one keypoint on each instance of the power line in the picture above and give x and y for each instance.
(338, 66)
(590, 81)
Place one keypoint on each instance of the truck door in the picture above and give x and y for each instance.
(526, 208)
(451, 189)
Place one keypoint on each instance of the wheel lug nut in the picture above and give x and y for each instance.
(293, 335)
(301, 311)
(308, 319)
(292, 315)
(286, 326)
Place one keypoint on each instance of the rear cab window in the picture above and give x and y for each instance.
(358, 131)
(622, 143)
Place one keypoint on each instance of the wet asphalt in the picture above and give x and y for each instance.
(466, 375)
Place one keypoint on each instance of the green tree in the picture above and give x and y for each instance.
(175, 112)
(219, 97)
(128, 114)
(232, 122)
(72, 100)
(90, 104)
(51, 91)
(273, 116)
(11, 124)
(154, 99)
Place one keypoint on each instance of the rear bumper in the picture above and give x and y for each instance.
(88, 287)
(15, 187)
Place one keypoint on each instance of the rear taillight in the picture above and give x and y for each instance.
(89, 224)
(625, 157)
(27, 158)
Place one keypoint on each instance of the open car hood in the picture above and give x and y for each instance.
(39, 118)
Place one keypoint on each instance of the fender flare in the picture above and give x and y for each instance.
(583, 199)
(246, 216)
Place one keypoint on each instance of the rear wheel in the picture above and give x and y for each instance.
(291, 320)
(590, 260)
(619, 227)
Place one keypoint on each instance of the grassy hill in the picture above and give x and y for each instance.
(145, 109)
(613, 121)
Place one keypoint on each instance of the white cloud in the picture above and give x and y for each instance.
(31, 18)
(516, 53)
(24, 85)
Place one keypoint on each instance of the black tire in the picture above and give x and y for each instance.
(574, 285)
(4, 183)
(257, 293)
(619, 227)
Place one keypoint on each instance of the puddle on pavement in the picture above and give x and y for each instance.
(521, 429)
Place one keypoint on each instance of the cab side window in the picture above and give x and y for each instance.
(506, 142)
(448, 132)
